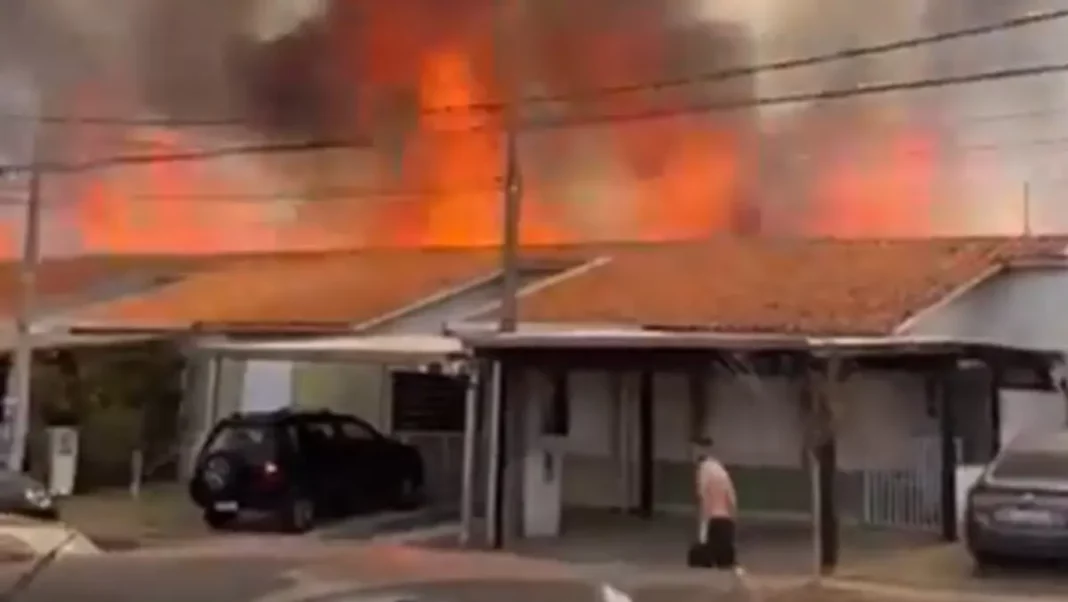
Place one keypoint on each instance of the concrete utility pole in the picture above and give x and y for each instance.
(22, 366)
(512, 208)
(511, 217)
(1027, 209)
(510, 242)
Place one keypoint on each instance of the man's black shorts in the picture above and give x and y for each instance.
(719, 543)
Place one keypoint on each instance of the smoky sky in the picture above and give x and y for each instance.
(272, 65)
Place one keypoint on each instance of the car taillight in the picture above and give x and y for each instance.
(271, 475)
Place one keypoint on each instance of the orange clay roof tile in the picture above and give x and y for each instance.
(728, 284)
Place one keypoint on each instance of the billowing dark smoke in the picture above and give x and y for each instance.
(296, 68)
(369, 70)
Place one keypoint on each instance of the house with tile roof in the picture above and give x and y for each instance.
(983, 290)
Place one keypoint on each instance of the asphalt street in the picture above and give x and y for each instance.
(280, 569)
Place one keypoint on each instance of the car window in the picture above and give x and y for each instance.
(355, 430)
(1043, 465)
(293, 438)
(250, 440)
(320, 429)
(317, 436)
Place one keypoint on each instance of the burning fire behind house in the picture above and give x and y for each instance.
(400, 78)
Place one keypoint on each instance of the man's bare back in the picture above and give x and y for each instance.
(715, 490)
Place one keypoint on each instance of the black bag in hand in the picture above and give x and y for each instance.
(700, 556)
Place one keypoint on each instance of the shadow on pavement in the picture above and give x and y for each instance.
(373, 525)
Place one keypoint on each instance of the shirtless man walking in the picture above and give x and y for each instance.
(718, 508)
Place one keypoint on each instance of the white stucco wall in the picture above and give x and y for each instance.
(754, 423)
(1024, 307)
(1030, 411)
(351, 388)
(198, 416)
(883, 414)
(268, 386)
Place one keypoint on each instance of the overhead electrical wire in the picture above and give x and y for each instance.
(786, 64)
(597, 93)
(720, 106)
(488, 186)
(658, 113)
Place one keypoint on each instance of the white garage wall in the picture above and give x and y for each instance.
(756, 426)
(268, 386)
(882, 415)
(671, 418)
(591, 476)
(590, 414)
(361, 389)
(1030, 411)
(754, 421)
(1021, 307)
(198, 415)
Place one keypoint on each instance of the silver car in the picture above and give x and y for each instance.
(20, 494)
(1019, 507)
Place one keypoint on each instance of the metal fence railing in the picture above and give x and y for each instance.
(909, 497)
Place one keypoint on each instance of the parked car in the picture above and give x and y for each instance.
(22, 495)
(1018, 509)
(300, 466)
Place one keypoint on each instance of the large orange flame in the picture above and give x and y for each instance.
(886, 192)
(397, 66)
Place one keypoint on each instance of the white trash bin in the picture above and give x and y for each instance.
(62, 459)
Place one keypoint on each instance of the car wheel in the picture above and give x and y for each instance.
(219, 521)
(299, 515)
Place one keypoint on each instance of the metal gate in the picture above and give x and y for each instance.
(443, 461)
(909, 497)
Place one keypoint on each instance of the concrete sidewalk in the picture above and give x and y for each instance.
(24, 539)
(115, 520)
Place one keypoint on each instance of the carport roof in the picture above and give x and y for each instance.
(385, 349)
(640, 341)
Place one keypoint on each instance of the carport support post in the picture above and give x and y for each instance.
(827, 467)
(646, 445)
(948, 431)
(495, 473)
(467, 492)
(995, 409)
(823, 462)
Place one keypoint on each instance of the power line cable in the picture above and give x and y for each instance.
(825, 95)
(718, 106)
(596, 93)
(186, 156)
(484, 187)
(793, 63)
